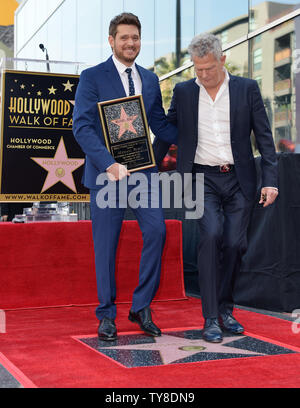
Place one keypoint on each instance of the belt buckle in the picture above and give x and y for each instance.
(225, 168)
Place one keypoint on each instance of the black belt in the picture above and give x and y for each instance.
(223, 168)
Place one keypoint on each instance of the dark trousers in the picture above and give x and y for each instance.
(106, 226)
(223, 239)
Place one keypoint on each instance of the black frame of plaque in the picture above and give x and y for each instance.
(140, 145)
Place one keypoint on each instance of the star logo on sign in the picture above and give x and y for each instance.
(59, 168)
(125, 123)
(52, 90)
(173, 348)
(68, 86)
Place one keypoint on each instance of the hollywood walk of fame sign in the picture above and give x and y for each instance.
(126, 132)
(40, 158)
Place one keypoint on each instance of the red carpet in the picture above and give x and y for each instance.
(40, 344)
(39, 347)
(50, 264)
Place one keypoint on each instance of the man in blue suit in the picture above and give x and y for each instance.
(215, 115)
(119, 77)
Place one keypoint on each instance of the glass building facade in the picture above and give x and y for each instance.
(261, 40)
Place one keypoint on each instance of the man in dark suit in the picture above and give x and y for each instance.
(119, 77)
(215, 115)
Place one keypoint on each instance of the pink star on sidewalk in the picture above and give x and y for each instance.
(60, 168)
(173, 348)
(125, 123)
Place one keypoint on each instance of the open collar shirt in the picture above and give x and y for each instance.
(214, 146)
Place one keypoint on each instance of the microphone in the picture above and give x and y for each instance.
(42, 47)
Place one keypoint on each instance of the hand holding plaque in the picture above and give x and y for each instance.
(126, 132)
(117, 172)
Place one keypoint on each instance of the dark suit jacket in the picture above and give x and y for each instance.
(247, 113)
(102, 83)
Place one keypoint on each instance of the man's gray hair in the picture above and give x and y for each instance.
(204, 44)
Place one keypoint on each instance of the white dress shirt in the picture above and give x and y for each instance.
(124, 77)
(214, 147)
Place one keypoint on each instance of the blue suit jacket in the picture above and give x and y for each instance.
(247, 113)
(102, 83)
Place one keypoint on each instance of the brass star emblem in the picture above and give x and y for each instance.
(68, 86)
(52, 90)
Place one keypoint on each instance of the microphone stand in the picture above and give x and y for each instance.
(47, 56)
(47, 63)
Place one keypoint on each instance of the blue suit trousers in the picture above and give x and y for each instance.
(106, 226)
(223, 239)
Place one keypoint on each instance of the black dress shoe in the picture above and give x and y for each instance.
(107, 329)
(212, 331)
(229, 323)
(144, 320)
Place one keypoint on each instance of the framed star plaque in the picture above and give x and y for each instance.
(126, 132)
(40, 159)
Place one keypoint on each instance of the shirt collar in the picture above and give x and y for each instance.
(225, 82)
(121, 67)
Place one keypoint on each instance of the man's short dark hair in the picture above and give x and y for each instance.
(124, 18)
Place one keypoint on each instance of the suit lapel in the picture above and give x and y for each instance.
(114, 79)
(195, 107)
(233, 96)
(145, 88)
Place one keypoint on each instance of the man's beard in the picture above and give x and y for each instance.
(126, 59)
